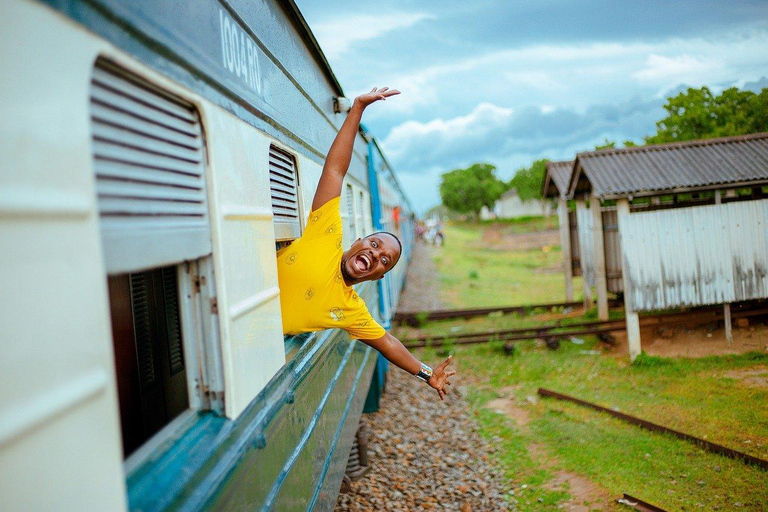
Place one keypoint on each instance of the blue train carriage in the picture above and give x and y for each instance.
(155, 152)
(393, 212)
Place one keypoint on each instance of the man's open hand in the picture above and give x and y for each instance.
(439, 379)
(376, 95)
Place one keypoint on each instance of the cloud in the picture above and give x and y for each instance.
(421, 151)
(339, 34)
(676, 69)
(566, 76)
(498, 134)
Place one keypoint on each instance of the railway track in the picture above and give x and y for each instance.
(655, 427)
(415, 318)
(559, 331)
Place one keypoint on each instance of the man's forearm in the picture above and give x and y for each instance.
(391, 348)
(340, 154)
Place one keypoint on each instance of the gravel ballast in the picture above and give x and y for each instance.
(424, 454)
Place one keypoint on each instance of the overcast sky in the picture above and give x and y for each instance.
(508, 82)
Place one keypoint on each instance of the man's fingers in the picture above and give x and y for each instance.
(445, 363)
(383, 89)
(450, 372)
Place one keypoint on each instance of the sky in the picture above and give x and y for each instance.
(509, 82)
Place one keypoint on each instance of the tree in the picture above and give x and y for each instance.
(527, 180)
(699, 114)
(468, 190)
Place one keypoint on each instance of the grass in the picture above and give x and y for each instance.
(474, 273)
(691, 395)
(703, 397)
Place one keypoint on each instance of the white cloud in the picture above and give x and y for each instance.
(670, 71)
(574, 76)
(509, 138)
(339, 34)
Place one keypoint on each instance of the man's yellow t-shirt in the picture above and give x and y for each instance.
(313, 295)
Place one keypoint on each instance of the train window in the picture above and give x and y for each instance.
(284, 189)
(347, 208)
(149, 356)
(367, 213)
(149, 162)
(360, 217)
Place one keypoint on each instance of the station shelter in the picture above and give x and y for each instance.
(692, 220)
(579, 239)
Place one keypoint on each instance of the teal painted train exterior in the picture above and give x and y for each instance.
(264, 422)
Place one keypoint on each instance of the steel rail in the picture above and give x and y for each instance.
(639, 504)
(412, 317)
(595, 327)
(703, 443)
(509, 336)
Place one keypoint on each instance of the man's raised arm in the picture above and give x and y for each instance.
(340, 154)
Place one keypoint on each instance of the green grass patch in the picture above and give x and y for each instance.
(475, 274)
(695, 396)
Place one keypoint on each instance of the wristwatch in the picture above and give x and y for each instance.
(425, 373)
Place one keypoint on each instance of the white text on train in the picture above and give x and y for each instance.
(239, 53)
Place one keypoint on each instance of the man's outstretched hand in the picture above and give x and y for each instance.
(376, 95)
(439, 379)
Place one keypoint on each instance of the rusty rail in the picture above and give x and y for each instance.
(639, 504)
(703, 443)
(415, 317)
(575, 329)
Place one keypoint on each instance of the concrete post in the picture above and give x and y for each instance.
(601, 282)
(565, 243)
(633, 322)
(726, 306)
(581, 205)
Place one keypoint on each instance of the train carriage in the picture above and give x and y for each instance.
(157, 153)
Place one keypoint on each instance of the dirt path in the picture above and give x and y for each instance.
(422, 291)
(586, 495)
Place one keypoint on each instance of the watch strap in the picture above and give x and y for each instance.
(425, 373)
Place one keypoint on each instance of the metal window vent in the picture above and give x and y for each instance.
(173, 322)
(361, 215)
(350, 205)
(284, 190)
(142, 326)
(150, 172)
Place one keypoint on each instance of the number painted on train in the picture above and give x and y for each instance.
(239, 53)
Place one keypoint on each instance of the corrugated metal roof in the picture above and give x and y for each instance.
(559, 174)
(678, 167)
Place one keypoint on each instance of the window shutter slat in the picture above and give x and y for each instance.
(150, 173)
(283, 184)
(142, 329)
(173, 322)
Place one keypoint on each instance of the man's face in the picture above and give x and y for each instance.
(370, 258)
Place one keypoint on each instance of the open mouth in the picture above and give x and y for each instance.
(362, 263)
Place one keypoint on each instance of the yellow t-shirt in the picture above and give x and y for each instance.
(313, 295)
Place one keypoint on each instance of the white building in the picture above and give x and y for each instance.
(510, 206)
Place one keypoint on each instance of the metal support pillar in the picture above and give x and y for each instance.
(588, 302)
(565, 243)
(726, 306)
(601, 282)
(727, 321)
(632, 320)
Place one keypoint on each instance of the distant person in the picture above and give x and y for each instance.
(316, 275)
